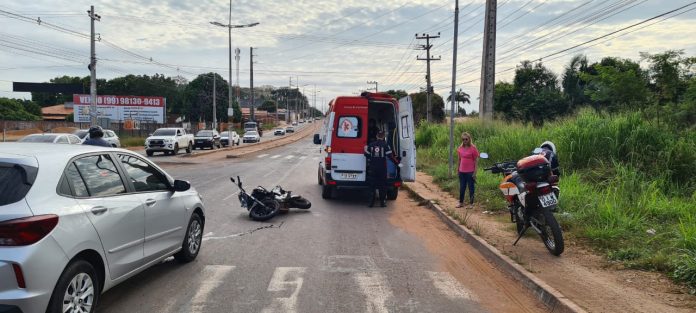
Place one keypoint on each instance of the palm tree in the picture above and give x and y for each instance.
(460, 96)
(573, 86)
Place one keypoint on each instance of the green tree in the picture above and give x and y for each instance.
(573, 85)
(504, 100)
(537, 96)
(617, 84)
(668, 73)
(13, 110)
(397, 94)
(45, 99)
(460, 97)
(268, 105)
(420, 107)
(198, 98)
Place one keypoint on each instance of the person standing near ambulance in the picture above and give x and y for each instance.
(377, 153)
(468, 157)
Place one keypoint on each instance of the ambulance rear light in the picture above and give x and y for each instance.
(327, 163)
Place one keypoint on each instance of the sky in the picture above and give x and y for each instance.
(333, 47)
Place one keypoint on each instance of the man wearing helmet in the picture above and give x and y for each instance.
(96, 134)
(549, 151)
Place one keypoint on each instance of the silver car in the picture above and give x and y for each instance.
(78, 220)
(52, 138)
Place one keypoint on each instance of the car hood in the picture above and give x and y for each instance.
(160, 137)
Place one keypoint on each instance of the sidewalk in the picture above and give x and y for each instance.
(585, 278)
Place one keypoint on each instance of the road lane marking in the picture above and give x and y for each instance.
(285, 279)
(230, 196)
(303, 157)
(262, 156)
(213, 276)
(374, 287)
(289, 157)
(449, 286)
(276, 156)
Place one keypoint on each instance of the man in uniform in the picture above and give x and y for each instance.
(377, 153)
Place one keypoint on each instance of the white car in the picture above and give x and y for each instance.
(225, 138)
(109, 135)
(279, 131)
(169, 141)
(77, 220)
(251, 136)
(52, 138)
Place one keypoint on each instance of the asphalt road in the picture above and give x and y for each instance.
(339, 256)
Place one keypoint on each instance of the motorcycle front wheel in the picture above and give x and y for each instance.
(551, 233)
(264, 212)
(300, 203)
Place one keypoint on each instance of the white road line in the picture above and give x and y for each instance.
(262, 156)
(315, 158)
(303, 157)
(289, 157)
(285, 279)
(449, 286)
(230, 196)
(213, 276)
(374, 286)
(276, 156)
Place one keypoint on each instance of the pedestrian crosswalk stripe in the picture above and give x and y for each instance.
(449, 286)
(289, 157)
(262, 156)
(213, 276)
(285, 279)
(275, 156)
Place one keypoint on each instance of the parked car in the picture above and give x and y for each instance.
(289, 129)
(279, 131)
(86, 216)
(251, 125)
(225, 138)
(294, 123)
(52, 138)
(343, 138)
(109, 135)
(251, 136)
(207, 139)
(169, 141)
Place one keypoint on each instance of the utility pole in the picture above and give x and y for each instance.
(237, 58)
(251, 81)
(93, 69)
(453, 95)
(214, 104)
(287, 102)
(426, 47)
(230, 110)
(374, 82)
(488, 62)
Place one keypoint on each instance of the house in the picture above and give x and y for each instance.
(57, 112)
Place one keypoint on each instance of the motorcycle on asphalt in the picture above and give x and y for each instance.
(531, 191)
(264, 204)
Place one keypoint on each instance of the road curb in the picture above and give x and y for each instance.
(549, 296)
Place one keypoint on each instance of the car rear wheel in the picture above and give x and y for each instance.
(192, 242)
(392, 193)
(326, 192)
(176, 149)
(77, 290)
(188, 149)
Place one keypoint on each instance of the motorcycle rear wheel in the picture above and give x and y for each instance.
(551, 233)
(300, 203)
(269, 209)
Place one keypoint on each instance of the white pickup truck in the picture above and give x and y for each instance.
(169, 141)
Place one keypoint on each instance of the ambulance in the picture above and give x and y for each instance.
(351, 123)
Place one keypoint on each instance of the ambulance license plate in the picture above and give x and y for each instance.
(548, 200)
(349, 176)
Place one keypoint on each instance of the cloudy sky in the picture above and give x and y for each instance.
(336, 45)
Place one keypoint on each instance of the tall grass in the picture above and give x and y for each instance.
(628, 185)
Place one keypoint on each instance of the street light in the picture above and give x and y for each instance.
(229, 27)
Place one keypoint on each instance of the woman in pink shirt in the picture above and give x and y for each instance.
(468, 155)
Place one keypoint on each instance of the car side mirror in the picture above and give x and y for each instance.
(483, 155)
(150, 135)
(317, 139)
(537, 150)
(181, 185)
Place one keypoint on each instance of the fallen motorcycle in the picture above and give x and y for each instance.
(531, 191)
(264, 204)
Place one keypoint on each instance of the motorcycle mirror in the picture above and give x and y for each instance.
(537, 151)
(232, 179)
(483, 155)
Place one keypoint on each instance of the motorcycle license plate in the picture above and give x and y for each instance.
(548, 200)
(349, 176)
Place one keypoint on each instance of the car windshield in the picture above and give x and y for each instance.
(165, 132)
(204, 133)
(15, 181)
(38, 138)
(81, 133)
(251, 133)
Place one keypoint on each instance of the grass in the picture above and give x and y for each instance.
(132, 141)
(627, 189)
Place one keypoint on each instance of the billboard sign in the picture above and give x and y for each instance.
(121, 108)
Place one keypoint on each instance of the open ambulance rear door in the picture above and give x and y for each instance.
(407, 138)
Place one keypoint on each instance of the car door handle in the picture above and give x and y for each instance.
(98, 210)
(150, 202)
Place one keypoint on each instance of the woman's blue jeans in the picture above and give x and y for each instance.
(466, 179)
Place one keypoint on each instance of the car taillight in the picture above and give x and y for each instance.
(327, 163)
(26, 231)
(397, 184)
(19, 275)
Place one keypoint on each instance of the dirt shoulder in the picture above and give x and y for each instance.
(581, 275)
(488, 286)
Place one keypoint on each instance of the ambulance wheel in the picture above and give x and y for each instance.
(392, 193)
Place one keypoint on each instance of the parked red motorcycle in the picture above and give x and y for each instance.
(531, 191)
